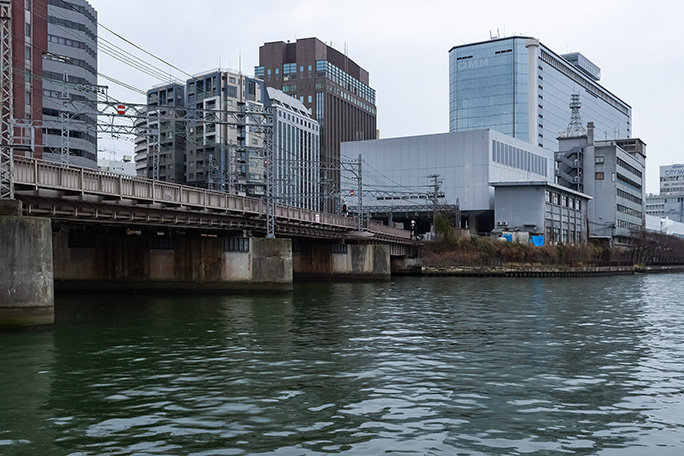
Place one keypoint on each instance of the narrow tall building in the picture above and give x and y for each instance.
(70, 83)
(333, 88)
(296, 153)
(165, 135)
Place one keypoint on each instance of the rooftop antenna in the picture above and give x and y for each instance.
(575, 128)
(346, 57)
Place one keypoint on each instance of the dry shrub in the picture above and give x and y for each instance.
(478, 251)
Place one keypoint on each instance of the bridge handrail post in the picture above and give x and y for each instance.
(35, 172)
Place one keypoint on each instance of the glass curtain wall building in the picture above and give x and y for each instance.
(521, 88)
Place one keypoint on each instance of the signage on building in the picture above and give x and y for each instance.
(472, 64)
(674, 170)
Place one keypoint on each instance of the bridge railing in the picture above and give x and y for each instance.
(50, 175)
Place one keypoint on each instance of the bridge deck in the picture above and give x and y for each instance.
(67, 192)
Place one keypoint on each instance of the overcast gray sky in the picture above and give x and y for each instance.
(404, 45)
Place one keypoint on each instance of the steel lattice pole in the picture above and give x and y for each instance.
(270, 172)
(360, 197)
(6, 104)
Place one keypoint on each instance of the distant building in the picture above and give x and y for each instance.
(125, 166)
(557, 213)
(164, 134)
(335, 91)
(612, 173)
(670, 202)
(466, 162)
(664, 225)
(202, 134)
(69, 83)
(520, 87)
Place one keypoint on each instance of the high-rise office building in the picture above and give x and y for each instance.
(520, 87)
(335, 91)
(69, 83)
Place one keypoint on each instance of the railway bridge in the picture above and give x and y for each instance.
(75, 228)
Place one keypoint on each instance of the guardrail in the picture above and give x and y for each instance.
(39, 174)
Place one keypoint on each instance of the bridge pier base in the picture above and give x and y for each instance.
(146, 258)
(327, 261)
(26, 275)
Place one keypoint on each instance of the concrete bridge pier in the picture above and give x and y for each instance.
(26, 275)
(321, 260)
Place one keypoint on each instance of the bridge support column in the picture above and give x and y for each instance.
(324, 261)
(26, 277)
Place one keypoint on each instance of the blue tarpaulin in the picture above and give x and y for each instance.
(508, 236)
(537, 241)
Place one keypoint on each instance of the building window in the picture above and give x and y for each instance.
(599, 176)
(599, 159)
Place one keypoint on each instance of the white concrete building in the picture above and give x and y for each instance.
(612, 173)
(297, 152)
(670, 202)
(465, 161)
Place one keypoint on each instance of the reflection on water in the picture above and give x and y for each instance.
(416, 366)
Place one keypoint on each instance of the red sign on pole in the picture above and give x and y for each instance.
(120, 109)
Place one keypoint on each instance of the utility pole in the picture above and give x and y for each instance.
(6, 102)
(269, 154)
(154, 140)
(435, 184)
(360, 197)
(64, 115)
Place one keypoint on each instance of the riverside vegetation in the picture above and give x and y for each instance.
(647, 248)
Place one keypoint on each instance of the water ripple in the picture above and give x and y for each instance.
(435, 367)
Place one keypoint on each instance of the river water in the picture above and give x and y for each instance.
(431, 366)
